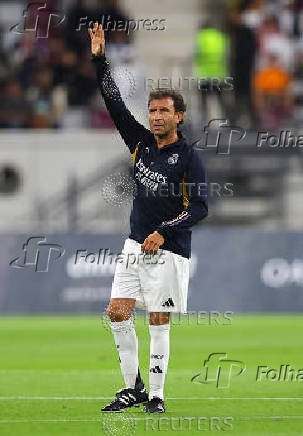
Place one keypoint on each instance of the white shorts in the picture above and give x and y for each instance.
(158, 283)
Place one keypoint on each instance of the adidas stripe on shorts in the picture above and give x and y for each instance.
(158, 283)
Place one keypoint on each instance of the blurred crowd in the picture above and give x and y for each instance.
(50, 82)
(261, 48)
(267, 60)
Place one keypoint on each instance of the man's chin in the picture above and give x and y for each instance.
(161, 134)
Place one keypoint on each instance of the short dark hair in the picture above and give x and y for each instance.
(179, 103)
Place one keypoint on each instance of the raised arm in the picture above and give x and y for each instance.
(131, 131)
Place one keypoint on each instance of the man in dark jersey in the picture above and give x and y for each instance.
(171, 197)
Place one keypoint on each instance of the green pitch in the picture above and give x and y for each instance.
(56, 373)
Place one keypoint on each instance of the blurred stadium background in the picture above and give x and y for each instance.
(65, 172)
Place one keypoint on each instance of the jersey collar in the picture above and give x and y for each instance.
(180, 141)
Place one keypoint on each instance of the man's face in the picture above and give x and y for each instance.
(163, 119)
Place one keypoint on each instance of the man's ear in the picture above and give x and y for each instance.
(180, 116)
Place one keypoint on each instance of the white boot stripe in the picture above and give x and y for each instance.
(123, 400)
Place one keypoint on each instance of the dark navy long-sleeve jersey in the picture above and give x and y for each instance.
(170, 183)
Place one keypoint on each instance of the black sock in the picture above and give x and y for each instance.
(139, 382)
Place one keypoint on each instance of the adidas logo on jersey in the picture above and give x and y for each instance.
(156, 370)
(168, 303)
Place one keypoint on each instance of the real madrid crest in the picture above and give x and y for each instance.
(173, 159)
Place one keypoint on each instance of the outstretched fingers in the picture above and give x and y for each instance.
(97, 38)
(100, 32)
(92, 31)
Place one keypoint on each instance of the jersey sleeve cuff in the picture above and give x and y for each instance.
(98, 58)
(101, 65)
(162, 232)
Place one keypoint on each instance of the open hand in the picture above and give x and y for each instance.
(152, 243)
(97, 39)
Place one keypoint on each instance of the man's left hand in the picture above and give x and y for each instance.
(152, 243)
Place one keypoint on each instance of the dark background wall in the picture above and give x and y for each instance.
(241, 270)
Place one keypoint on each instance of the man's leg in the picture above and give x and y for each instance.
(159, 352)
(120, 311)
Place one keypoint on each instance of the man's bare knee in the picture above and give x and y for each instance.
(120, 310)
(158, 318)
